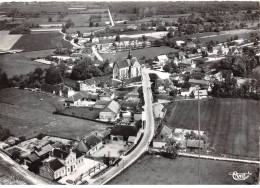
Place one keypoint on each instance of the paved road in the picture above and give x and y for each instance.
(147, 137)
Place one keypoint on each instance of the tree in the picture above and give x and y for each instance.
(38, 71)
(173, 93)
(117, 38)
(53, 76)
(91, 24)
(170, 34)
(4, 80)
(49, 19)
(16, 155)
(76, 40)
(166, 68)
(192, 95)
(138, 124)
(144, 38)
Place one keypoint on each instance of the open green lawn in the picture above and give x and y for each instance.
(21, 63)
(25, 114)
(147, 52)
(40, 41)
(153, 170)
(232, 124)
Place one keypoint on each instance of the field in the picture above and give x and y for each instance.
(41, 41)
(24, 113)
(7, 41)
(83, 112)
(9, 177)
(232, 124)
(83, 29)
(147, 52)
(153, 171)
(80, 19)
(20, 63)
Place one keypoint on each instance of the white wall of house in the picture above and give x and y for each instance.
(106, 116)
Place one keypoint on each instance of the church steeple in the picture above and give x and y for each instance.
(129, 54)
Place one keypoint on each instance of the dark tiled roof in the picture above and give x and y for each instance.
(78, 153)
(60, 153)
(88, 143)
(123, 130)
(44, 150)
(55, 164)
(33, 157)
(195, 81)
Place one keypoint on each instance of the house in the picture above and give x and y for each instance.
(203, 84)
(123, 132)
(127, 68)
(163, 133)
(79, 99)
(43, 152)
(242, 81)
(12, 140)
(66, 92)
(161, 60)
(107, 95)
(109, 113)
(52, 169)
(31, 159)
(202, 93)
(90, 144)
(101, 104)
(87, 85)
(71, 159)
(184, 92)
(233, 51)
(195, 145)
(184, 63)
(132, 27)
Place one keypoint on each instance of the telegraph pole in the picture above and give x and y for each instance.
(199, 129)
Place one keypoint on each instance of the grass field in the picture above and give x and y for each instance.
(83, 29)
(83, 112)
(151, 170)
(7, 41)
(40, 41)
(25, 114)
(147, 52)
(9, 177)
(20, 63)
(232, 124)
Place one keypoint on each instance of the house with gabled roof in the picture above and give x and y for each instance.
(161, 60)
(90, 144)
(52, 169)
(127, 68)
(109, 113)
(123, 132)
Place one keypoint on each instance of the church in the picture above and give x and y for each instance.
(127, 68)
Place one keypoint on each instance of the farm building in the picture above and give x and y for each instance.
(195, 145)
(161, 60)
(122, 133)
(52, 169)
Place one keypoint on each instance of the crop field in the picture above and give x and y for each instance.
(151, 170)
(24, 113)
(147, 52)
(40, 41)
(232, 124)
(21, 63)
(7, 41)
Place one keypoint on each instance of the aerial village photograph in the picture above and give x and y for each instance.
(129, 92)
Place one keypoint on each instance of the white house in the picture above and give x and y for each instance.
(161, 60)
